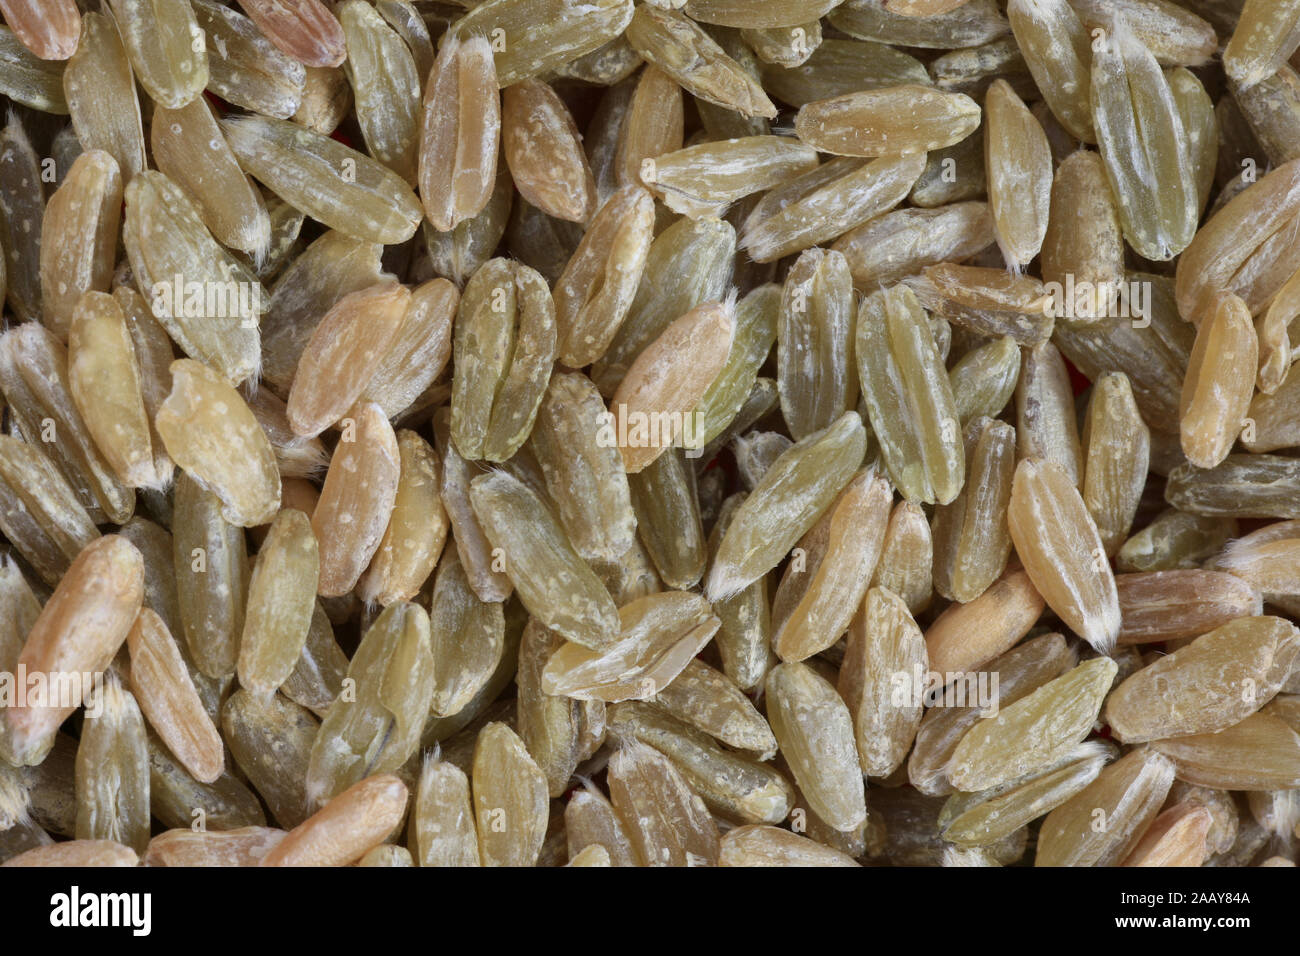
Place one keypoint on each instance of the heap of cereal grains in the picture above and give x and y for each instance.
(741, 432)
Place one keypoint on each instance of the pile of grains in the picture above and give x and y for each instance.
(742, 432)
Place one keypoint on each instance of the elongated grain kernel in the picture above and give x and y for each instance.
(80, 629)
(589, 819)
(211, 433)
(175, 796)
(162, 684)
(584, 476)
(505, 343)
(659, 634)
(733, 786)
(419, 351)
(1265, 36)
(386, 87)
(211, 566)
(378, 729)
(486, 574)
(1175, 604)
(1202, 128)
(966, 636)
(297, 458)
(245, 846)
(760, 845)
(842, 66)
(827, 202)
(711, 701)
(821, 591)
(1177, 837)
(972, 23)
(1116, 453)
(689, 263)
(1033, 732)
(112, 777)
(684, 51)
(1046, 423)
(318, 675)
(903, 242)
(984, 379)
(666, 822)
(971, 539)
(77, 853)
(815, 731)
(906, 564)
(1218, 386)
(79, 237)
(104, 380)
(987, 301)
(356, 500)
(510, 805)
(343, 354)
(744, 638)
(867, 123)
(1260, 753)
(1019, 165)
(667, 381)
(793, 494)
(908, 397)
(246, 69)
(461, 129)
(554, 583)
(979, 819)
(281, 595)
(598, 284)
(166, 47)
(304, 29)
(653, 125)
(1175, 539)
(1143, 142)
(1062, 552)
(721, 405)
(883, 642)
(467, 638)
(535, 38)
(22, 212)
(34, 378)
(330, 268)
(208, 301)
(442, 819)
(1021, 670)
(1084, 239)
(333, 184)
(343, 830)
(544, 150)
(704, 179)
(47, 28)
(815, 368)
(100, 90)
(271, 741)
(1217, 680)
(188, 147)
(1057, 49)
(417, 527)
(665, 501)
(1233, 236)
(549, 725)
